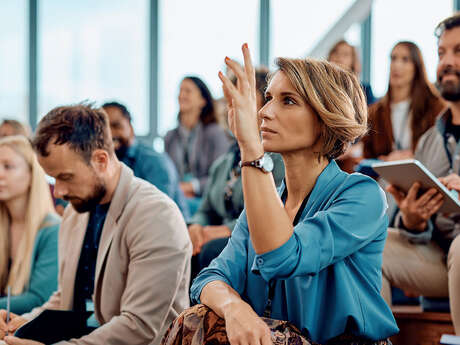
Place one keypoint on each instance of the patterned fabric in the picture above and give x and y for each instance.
(199, 325)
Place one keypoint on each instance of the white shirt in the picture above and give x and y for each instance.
(400, 119)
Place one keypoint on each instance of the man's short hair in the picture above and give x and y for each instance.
(124, 111)
(82, 127)
(447, 24)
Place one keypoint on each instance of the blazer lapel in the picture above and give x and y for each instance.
(119, 200)
(75, 237)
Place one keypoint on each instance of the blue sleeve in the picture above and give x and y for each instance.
(155, 170)
(229, 266)
(355, 218)
(43, 275)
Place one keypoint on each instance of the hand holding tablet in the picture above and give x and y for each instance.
(403, 174)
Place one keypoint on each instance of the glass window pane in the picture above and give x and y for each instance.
(97, 51)
(297, 25)
(395, 20)
(195, 37)
(13, 64)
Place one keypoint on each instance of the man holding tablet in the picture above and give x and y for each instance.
(423, 254)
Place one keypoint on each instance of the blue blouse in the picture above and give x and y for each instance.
(327, 277)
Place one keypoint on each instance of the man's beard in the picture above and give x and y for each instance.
(449, 90)
(89, 203)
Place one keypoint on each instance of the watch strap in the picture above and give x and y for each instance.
(254, 163)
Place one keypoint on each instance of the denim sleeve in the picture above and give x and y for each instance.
(355, 218)
(229, 266)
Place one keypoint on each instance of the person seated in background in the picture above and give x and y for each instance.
(223, 202)
(346, 56)
(422, 255)
(124, 250)
(28, 228)
(311, 253)
(406, 112)
(13, 127)
(198, 140)
(146, 163)
(10, 127)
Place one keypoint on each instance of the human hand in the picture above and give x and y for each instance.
(196, 236)
(14, 323)
(397, 155)
(10, 340)
(452, 182)
(416, 211)
(242, 105)
(187, 189)
(244, 326)
(212, 232)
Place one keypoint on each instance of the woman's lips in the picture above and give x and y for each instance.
(267, 130)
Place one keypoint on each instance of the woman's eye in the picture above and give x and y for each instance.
(289, 101)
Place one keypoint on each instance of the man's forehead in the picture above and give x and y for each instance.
(60, 159)
(451, 36)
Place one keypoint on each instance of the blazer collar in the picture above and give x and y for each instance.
(119, 200)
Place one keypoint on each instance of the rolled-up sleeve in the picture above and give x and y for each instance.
(354, 218)
(229, 266)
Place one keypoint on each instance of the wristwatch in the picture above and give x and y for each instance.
(264, 163)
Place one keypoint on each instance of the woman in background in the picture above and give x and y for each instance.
(408, 109)
(10, 127)
(28, 228)
(346, 56)
(198, 140)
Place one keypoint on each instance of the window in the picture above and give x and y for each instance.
(297, 25)
(96, 51)
(195, 37)
(395, 20)
(13, 63)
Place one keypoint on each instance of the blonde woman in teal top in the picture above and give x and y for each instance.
(310, 253)
(28, 228)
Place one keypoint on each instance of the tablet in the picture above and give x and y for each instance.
(404, 173)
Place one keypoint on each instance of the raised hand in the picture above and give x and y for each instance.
(242, 105)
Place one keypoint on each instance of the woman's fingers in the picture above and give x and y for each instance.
(248, 67)
(229, 88)
(242, 83)
(227, 95)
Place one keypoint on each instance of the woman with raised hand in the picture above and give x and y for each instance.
(28, 228)
(309, 254)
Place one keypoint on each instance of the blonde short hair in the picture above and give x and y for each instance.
(336, 97)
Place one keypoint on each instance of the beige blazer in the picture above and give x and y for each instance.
(142, 268)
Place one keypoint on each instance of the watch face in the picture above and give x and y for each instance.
(267, 164)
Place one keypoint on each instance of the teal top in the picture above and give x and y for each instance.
(326, 279)
(43, 271)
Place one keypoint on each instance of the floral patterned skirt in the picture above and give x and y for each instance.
(199, 325)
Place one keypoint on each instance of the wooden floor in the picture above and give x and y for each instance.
(420, 328)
